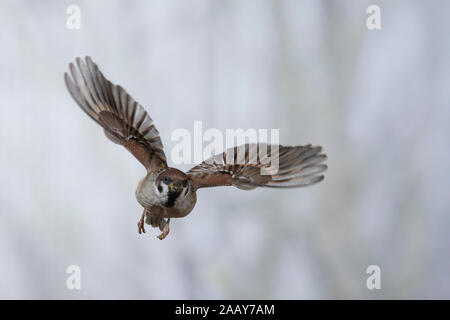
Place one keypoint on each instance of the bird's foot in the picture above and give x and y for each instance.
(141, 228)
(141, 223)
(165, 230)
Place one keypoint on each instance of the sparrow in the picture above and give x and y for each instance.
(167, 192)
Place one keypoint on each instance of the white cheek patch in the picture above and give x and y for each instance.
(164, 193)
(163, 189)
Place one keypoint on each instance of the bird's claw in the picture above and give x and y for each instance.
(165, 231)
(141, 228)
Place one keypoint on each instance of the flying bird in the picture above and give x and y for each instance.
(166, 192)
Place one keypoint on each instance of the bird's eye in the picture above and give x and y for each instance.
(166, 179)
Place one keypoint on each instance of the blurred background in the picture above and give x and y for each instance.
(377, 100)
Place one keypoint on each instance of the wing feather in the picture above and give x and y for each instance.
(124, 120)
(249, 166)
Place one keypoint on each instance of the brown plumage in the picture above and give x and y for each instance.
(298, 167)
(124, 120)
(168, 192)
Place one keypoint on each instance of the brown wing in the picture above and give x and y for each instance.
(124, 120)
(254, 165)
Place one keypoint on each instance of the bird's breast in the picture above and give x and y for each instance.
(182, 206)
(145, 193)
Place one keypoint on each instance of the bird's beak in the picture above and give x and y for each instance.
(171, 186)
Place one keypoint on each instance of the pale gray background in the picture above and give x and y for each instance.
(378, 101)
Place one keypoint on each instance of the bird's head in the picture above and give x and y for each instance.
(171, 184)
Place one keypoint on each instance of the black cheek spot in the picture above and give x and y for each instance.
(159, 189)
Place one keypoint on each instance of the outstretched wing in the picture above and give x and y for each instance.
(260, 165)
(124, 120)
